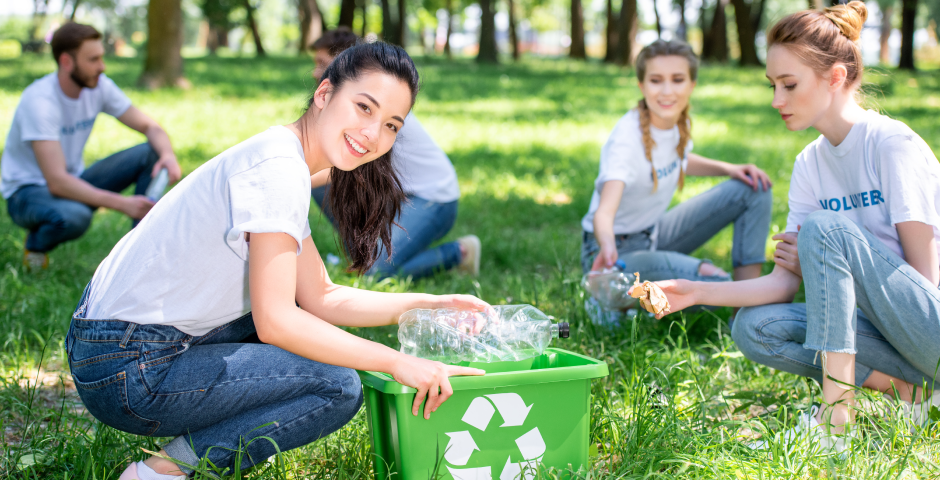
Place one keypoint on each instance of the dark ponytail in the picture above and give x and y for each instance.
(367, 200)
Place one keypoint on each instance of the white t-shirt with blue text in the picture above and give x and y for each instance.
(46, 113)
(623, 158)
(882, 174)
(186, 263)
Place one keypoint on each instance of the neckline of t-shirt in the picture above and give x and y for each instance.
(62, 95)
(851, 140)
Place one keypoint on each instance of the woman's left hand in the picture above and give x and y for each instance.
(751, 176)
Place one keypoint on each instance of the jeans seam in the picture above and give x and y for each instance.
(101, 358)
(320, 380)
(127, 408)
(774, 353)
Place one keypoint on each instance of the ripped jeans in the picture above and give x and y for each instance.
(688, 226)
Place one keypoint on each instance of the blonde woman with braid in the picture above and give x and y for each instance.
(645, 160)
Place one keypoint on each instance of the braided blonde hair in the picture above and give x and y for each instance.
(662, 48)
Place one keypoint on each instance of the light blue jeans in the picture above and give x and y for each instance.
(688, 226)
(861, 298)
(213, 393)
(423, 222)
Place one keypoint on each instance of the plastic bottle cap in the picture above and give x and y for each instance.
(563, 330)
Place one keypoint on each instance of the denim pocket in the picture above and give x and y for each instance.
(106, 399)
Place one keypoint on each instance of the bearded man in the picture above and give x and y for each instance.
(48, 190)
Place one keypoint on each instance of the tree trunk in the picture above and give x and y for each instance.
(577, 31)
(402, 23)
(311, 24)
(610, 56)
(513, 34)
(40, 8)
(365, 8)
(253, 26)
(449, 5)
(347, 13)
(74, 9)
(746, 33)
(218, 37)
(163, 66)
(388, 26)
(626, 29)
(488, 52)
(908, 15)
(885, 54)
(659, 23)
(683, 30)
(715, 48)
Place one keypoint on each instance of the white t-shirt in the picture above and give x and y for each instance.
(424, 168)
(46, 113)
(880, 175)
(186, 263)
(624, 158)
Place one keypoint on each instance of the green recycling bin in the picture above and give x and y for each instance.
(519, 418)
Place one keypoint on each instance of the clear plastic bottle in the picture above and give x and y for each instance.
(610, 286)
(515, 332)
(158, 185)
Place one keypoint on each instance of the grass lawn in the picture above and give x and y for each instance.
(525, 140)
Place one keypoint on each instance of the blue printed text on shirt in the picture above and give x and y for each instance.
(857, 200)
(79, 125)
(665, 171)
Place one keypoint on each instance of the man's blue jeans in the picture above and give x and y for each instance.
(52, 220)
(861, 298)
(212, 393)
(424, 222)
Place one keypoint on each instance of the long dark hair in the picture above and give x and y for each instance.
(367, 200)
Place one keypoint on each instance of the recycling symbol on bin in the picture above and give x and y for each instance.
(461, 445)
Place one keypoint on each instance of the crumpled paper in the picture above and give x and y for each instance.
(650, 295)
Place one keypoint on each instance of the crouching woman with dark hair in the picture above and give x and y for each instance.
(155, 343)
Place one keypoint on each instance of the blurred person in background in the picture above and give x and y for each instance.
(44, 181)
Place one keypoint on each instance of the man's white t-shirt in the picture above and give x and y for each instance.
(186, 263)
(424, 168)
(623, 158)
(46, 113)
(882, 174)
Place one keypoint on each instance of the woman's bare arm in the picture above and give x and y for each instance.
(780, 286)
(920, 249)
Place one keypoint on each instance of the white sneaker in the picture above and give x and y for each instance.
(918, 415)
(470, 263)
(808, 430)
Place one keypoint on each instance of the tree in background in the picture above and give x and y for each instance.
(610, 54)
(394, 26)
(577, 49)
(312, 24)
(682, 31)
(714, 32)
(163, 65)
(253, 27)
(747, 17)
(659, 23)
(488, 52)
(216, 13)
(513, 33)
(347, 13)
(908, 18)
(887, 11)
(626, 32)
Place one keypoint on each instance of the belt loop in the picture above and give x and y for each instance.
(127, 334)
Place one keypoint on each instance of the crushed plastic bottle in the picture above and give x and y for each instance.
(158, 185)
(610, 286)
(510, 333)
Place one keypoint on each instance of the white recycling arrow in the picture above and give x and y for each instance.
(511, 407)
(481, 473)
(479, 413)
(459, 447)
(531, 444)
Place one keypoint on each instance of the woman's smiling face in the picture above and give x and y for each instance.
(358, 122)
(667, 87)
(800, 95)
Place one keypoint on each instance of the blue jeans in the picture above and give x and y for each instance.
(424, 222)
(861, 298)
(212, 393)
(688, 226)
(52, 220)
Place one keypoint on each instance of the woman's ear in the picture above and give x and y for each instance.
(837, 77)
(322, 94)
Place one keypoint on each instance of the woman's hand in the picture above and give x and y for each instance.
(680, 293)
(430, 378)
(605, 258)
(750, 175)
(473, 304)
(786, 254)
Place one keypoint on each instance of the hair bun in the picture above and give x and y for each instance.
(850, 18)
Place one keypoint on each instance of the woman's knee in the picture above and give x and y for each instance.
(745, 331)
(820, 225)
(73, 220)
(348, 403)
